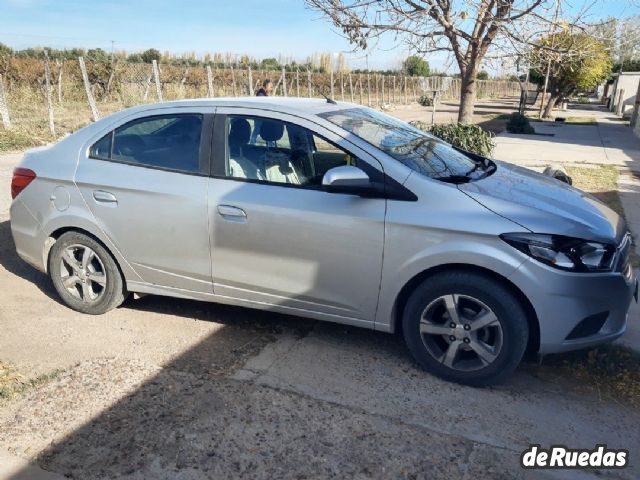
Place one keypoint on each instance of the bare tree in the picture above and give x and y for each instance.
(620, 36)
(467, 29)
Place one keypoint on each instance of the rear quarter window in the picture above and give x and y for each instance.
(170, 142)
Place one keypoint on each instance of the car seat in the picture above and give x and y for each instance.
(239, 165)
(277, 163)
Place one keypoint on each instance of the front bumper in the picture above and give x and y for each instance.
(563, 300)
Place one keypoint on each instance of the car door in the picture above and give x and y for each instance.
(277, 238)
(146, 183)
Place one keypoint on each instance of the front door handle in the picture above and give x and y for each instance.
(101, 196)
(229, 212)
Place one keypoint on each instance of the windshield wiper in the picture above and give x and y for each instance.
(454, 179)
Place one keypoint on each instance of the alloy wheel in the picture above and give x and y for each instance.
(461, 332)
(83, 273)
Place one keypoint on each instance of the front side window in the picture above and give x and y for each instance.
(414, 148)
(279, 152)
(164, 141)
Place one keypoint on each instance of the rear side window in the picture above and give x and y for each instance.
(165, 141)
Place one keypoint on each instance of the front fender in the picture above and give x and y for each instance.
(486, 253)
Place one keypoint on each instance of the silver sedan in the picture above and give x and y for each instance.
(330, 211)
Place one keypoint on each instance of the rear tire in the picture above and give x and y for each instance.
(85, 275)
(465, 327)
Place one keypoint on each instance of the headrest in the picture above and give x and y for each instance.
(271, 131)
(240, 131)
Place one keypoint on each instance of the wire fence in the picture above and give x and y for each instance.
(50, 98)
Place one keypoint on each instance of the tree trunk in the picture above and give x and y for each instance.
(468, 86)
(551, 103)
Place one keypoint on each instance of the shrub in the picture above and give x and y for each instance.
(426, 100)
(519, 124)
(471, 138)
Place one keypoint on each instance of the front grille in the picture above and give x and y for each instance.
(624, 254)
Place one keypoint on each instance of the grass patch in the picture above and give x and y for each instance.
(13, 383)
(602, 183)
(18, 139)
(612, 370)
(581, 121)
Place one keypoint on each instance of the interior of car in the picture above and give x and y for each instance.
(280, 152)
(166, 142)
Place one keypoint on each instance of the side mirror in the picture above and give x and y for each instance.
(347, 179)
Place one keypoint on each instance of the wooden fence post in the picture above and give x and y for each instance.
(183, 80)
(250, 81)
(342, 86)
(284, 82)
(4, 110)
(209, 82)
(394, 89)
(351, 86)
(309, 83)
(331, 82)
(87, 88)
(233, 82)
(361, 94)
(369, 88)
(156, 79)
(406, 96)
(47, 83)
(297, 81)
(59, 81)
(382, 88)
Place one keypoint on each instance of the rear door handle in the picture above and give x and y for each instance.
(234, 214)
(101, 196)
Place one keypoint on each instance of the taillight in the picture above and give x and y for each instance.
(22, 177)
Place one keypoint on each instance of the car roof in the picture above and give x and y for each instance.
(305, 106)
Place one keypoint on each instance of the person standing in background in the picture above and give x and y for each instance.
(265, 90)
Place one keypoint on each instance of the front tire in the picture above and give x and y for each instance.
(465, 327)
(85, 275)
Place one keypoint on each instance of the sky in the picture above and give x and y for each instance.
(258, 28)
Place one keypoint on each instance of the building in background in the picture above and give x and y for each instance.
(623, 92)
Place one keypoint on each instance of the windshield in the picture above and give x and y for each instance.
(416, 149)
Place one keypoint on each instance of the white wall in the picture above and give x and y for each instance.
(629, 82)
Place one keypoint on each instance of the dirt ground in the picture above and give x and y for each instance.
(168, 388)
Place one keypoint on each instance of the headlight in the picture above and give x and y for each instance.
(562, 252)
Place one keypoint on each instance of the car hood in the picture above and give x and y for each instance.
(543, 204)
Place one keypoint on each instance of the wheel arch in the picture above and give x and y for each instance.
(56, 234)
(405, 292)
